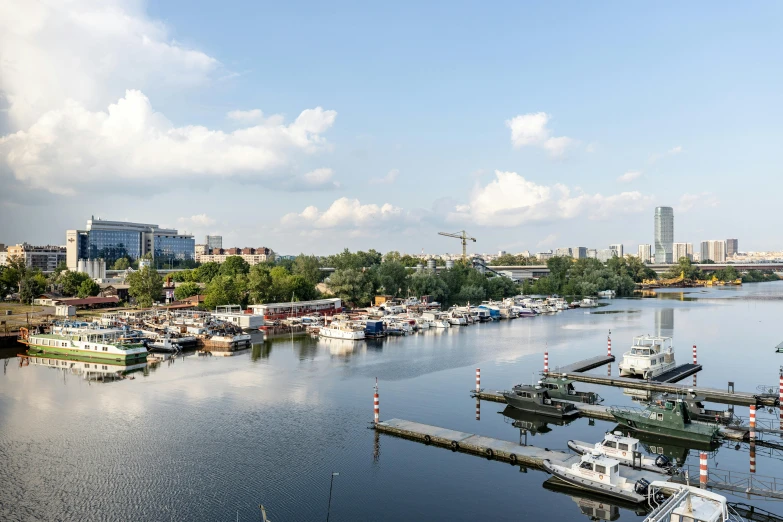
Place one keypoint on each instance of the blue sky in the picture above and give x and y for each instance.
(532, 126)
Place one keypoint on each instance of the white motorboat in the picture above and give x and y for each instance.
(649, 357)
(601, 474)
(626, 450)
(588, 302)
(341, 329)
(607, 293)
(682, 503)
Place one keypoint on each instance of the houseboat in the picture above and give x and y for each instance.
(649, 357)
(342, 328)
(94, 343)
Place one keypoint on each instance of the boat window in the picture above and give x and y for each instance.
(616, 468)
(660, 416)
(600, 469)
(586, 465)
(653, 362)
(652, 415)
(623, 447)
(610, 444)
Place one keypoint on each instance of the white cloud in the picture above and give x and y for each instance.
(320, 178)
(511, 200)
(72, 146)
(629, 176)
(198, 220)
(72, 75)
(388, 179)
(660, 155)
(530, 130)
(698, 201)
(547, 241)
(88, 51)
(345, 213)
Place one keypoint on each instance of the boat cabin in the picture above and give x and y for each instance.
(599, 468)
(537, 393)
(617, 445)
(647, 345)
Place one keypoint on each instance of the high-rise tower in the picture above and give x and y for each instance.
(664, 234)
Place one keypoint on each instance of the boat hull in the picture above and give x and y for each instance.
(586, 484)
(339, 334)
(582, 448)
(697, 433)
(105, 356)
(540, 409)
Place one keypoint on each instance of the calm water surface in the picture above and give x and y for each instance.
(208, 438)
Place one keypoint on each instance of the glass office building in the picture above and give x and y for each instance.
(112, 240)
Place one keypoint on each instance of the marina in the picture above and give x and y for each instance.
(423, 375)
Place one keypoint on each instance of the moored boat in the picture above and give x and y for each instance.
(94, 343)
(684, 503)
(626, 450)
(600, 474)
(648, 357)
(563, 389)
(537, 400)
(668, 418)
(342, 330)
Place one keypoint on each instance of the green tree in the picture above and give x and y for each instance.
(186, 290)
(393, 277)
(122, 263)
(15, 271)
(145, 286)
(234, 265)
(31, 286)
(512, 260)
(88, 288)
(308, 267)
(354, 286)
(71, 282)
(222, 290)
(686, 268)
(259, 284)
(473, 294)
(206, 272)
(558, 269)
(499, 287)
(727, 274)
(427, 283)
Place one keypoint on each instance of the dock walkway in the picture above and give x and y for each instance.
(512, 452)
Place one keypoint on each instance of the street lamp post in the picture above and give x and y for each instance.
(331, 484)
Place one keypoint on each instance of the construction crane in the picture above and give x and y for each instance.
(464, 237)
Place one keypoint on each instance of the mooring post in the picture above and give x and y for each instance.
(546, 362)
(752, 438)
(609, 344)
(703, 469)
(478, 408)
(694, 354)
(780, 400)
(478, 380)
(377, 403)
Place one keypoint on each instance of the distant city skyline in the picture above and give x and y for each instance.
(350, 135)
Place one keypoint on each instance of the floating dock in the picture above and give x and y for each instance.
(587, 364)
(710, 394)
(596, 411)
(503, 450)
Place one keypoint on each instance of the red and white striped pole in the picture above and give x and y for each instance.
(703, 474)
(752, 418)
(752, 451)
(694, 354)
(478, 379)
(377, 403)
(780, 400)
(609, 344)
(546, 362)
(478, 409)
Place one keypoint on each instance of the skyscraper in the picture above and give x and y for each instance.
(682, 250)
(645, 253)
(617, 249)
(714, 249)
(732, 247)
(664, 234)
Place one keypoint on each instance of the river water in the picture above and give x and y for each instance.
(210, 438)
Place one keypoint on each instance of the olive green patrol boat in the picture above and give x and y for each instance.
(563, 389)
(536, 399)
(667, 418)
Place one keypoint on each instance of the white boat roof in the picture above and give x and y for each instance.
(600, 458)
(695, 491)
(619, 437)
(647, 340)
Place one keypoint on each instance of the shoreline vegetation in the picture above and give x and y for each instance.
(359, 276)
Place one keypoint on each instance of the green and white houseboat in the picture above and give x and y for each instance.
(93, 343)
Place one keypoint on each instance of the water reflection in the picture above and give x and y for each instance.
(260, 351)
(85, 367)
(664, 322)
(594, 507)
(531, 422)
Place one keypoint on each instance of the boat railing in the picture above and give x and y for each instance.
(736, 480)
(629, 409)
(663, 510)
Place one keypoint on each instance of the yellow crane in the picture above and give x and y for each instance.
(464, 237)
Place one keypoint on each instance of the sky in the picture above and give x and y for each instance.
(308, 127)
